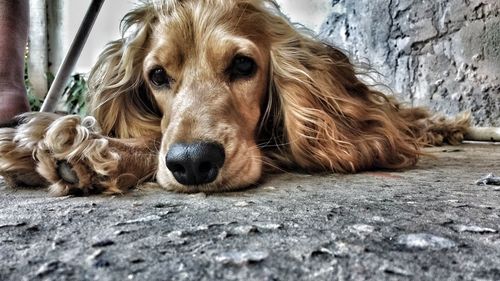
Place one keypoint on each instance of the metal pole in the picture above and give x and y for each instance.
(71, 58)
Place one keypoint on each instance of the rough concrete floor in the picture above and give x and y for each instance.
(429, 223)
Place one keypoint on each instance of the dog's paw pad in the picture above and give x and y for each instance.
(65, 171)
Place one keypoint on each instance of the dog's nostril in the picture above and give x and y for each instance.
(177, 168)
(205, 168)
(195, 163)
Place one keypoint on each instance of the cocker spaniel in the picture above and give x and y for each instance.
(206, 95)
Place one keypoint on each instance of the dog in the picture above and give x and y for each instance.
(207, 96)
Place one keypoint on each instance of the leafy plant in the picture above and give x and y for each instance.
(34, 101)
(73, 96)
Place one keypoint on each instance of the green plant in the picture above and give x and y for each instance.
(34, 101)
(74, 95)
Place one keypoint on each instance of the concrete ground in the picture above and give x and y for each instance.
(428, 223)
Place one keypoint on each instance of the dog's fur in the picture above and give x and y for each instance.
(305, 106)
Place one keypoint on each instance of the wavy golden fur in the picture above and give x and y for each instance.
(303, 106)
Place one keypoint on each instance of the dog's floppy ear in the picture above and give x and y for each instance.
(119, 98)
(328, 119)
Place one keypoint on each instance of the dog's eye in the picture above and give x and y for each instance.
(159, 77)
(242, 67)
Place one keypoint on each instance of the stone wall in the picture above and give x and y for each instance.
(440, 53)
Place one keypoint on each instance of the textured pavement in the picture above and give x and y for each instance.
(431, 222)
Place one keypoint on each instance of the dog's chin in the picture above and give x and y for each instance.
(221, 184)
(232, 176)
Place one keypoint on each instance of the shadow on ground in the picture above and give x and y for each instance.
(429, 223)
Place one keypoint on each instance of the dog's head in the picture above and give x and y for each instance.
(229, 85)
(207, 68)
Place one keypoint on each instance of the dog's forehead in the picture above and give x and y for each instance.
(204, 19)
(186, 37)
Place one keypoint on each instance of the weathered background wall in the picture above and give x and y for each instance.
(442, 53)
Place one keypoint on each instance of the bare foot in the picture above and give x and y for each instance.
(14, 17)
(13, 101)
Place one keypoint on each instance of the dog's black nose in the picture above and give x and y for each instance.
(195, 163)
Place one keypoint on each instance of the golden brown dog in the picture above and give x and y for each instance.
(204, 95)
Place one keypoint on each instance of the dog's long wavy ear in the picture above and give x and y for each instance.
(327, 118)
(119, 98)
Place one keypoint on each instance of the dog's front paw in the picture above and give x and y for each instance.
(76, 159)
(17, 165)
(17, 150)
